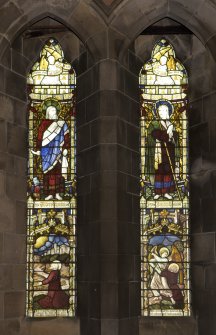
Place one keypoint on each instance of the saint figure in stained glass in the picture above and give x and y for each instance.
(51, 241)
(162, 154)
(52, 144)
(164, 197)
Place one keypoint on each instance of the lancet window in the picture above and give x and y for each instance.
(51, 228)
(164, 198)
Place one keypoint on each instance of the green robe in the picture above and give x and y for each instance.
(150, 149)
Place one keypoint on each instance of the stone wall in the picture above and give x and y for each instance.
(107, 57)
(201, 70)
(16, 62)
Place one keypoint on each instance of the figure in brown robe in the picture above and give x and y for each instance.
(171, 275)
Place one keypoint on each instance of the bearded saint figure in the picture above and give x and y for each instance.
(162, 156)
(52, 145)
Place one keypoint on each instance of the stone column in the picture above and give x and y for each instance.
(108, 203)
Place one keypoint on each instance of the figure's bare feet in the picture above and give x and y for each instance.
(58, 197)
(155, 300)
(173, 301)
(49, 197)
(157, 196)
(168, 196)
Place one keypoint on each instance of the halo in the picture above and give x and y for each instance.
(173, 267)
(162, 250)
(163, 102)
(51, 102)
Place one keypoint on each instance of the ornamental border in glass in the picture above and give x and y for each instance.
(164, 195)
(51, 228)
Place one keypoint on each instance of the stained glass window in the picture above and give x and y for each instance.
(164, 200)
(51, 228)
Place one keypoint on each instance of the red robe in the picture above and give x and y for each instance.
(172, 281)
(56, 298)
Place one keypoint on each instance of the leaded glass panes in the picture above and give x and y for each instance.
(164, 200)
(51, 229)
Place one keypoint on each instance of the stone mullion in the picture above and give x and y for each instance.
(118, 302)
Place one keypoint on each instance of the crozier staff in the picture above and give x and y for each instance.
(162, 152)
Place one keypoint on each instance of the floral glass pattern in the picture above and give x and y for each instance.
(51, 228)
(164, 198)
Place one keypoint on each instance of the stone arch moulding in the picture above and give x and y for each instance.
(15, 88)
(73, 18)
(202, 36)
(145, 16)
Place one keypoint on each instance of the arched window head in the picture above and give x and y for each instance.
(164, 197)
(51, 241)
